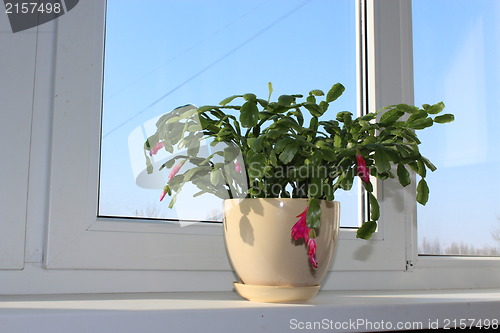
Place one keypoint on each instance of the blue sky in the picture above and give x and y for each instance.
(171, 53)
(199, 52)
(457, 62)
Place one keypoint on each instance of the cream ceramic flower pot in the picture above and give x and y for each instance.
(270, 265)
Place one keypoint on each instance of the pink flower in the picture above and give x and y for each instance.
(311, 251)
(156, 148)
(237, 166)
(363, 172)
(300, 229)
(175, 170)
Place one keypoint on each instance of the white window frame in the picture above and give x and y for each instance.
(78, 240)
(17, 61)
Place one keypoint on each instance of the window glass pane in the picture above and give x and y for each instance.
(456, 52)
(162, 54)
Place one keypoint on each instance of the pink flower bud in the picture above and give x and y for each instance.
(156, 148)
(166, 190)
(175, 170)
(311, 251)
(163, 194)
(363, 171)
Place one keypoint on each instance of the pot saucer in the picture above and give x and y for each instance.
(276, 294)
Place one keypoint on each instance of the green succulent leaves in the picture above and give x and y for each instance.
(277, 153)
(445, 118)
(289, 152)
(422, 192)
(335, 92)
(390, 117)
(313, 214)
(366, 230)
(403, 175)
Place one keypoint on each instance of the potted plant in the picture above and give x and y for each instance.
(279, 174)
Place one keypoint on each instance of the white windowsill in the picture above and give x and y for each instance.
(227, 312)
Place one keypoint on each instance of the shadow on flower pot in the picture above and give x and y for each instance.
(246, 231)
